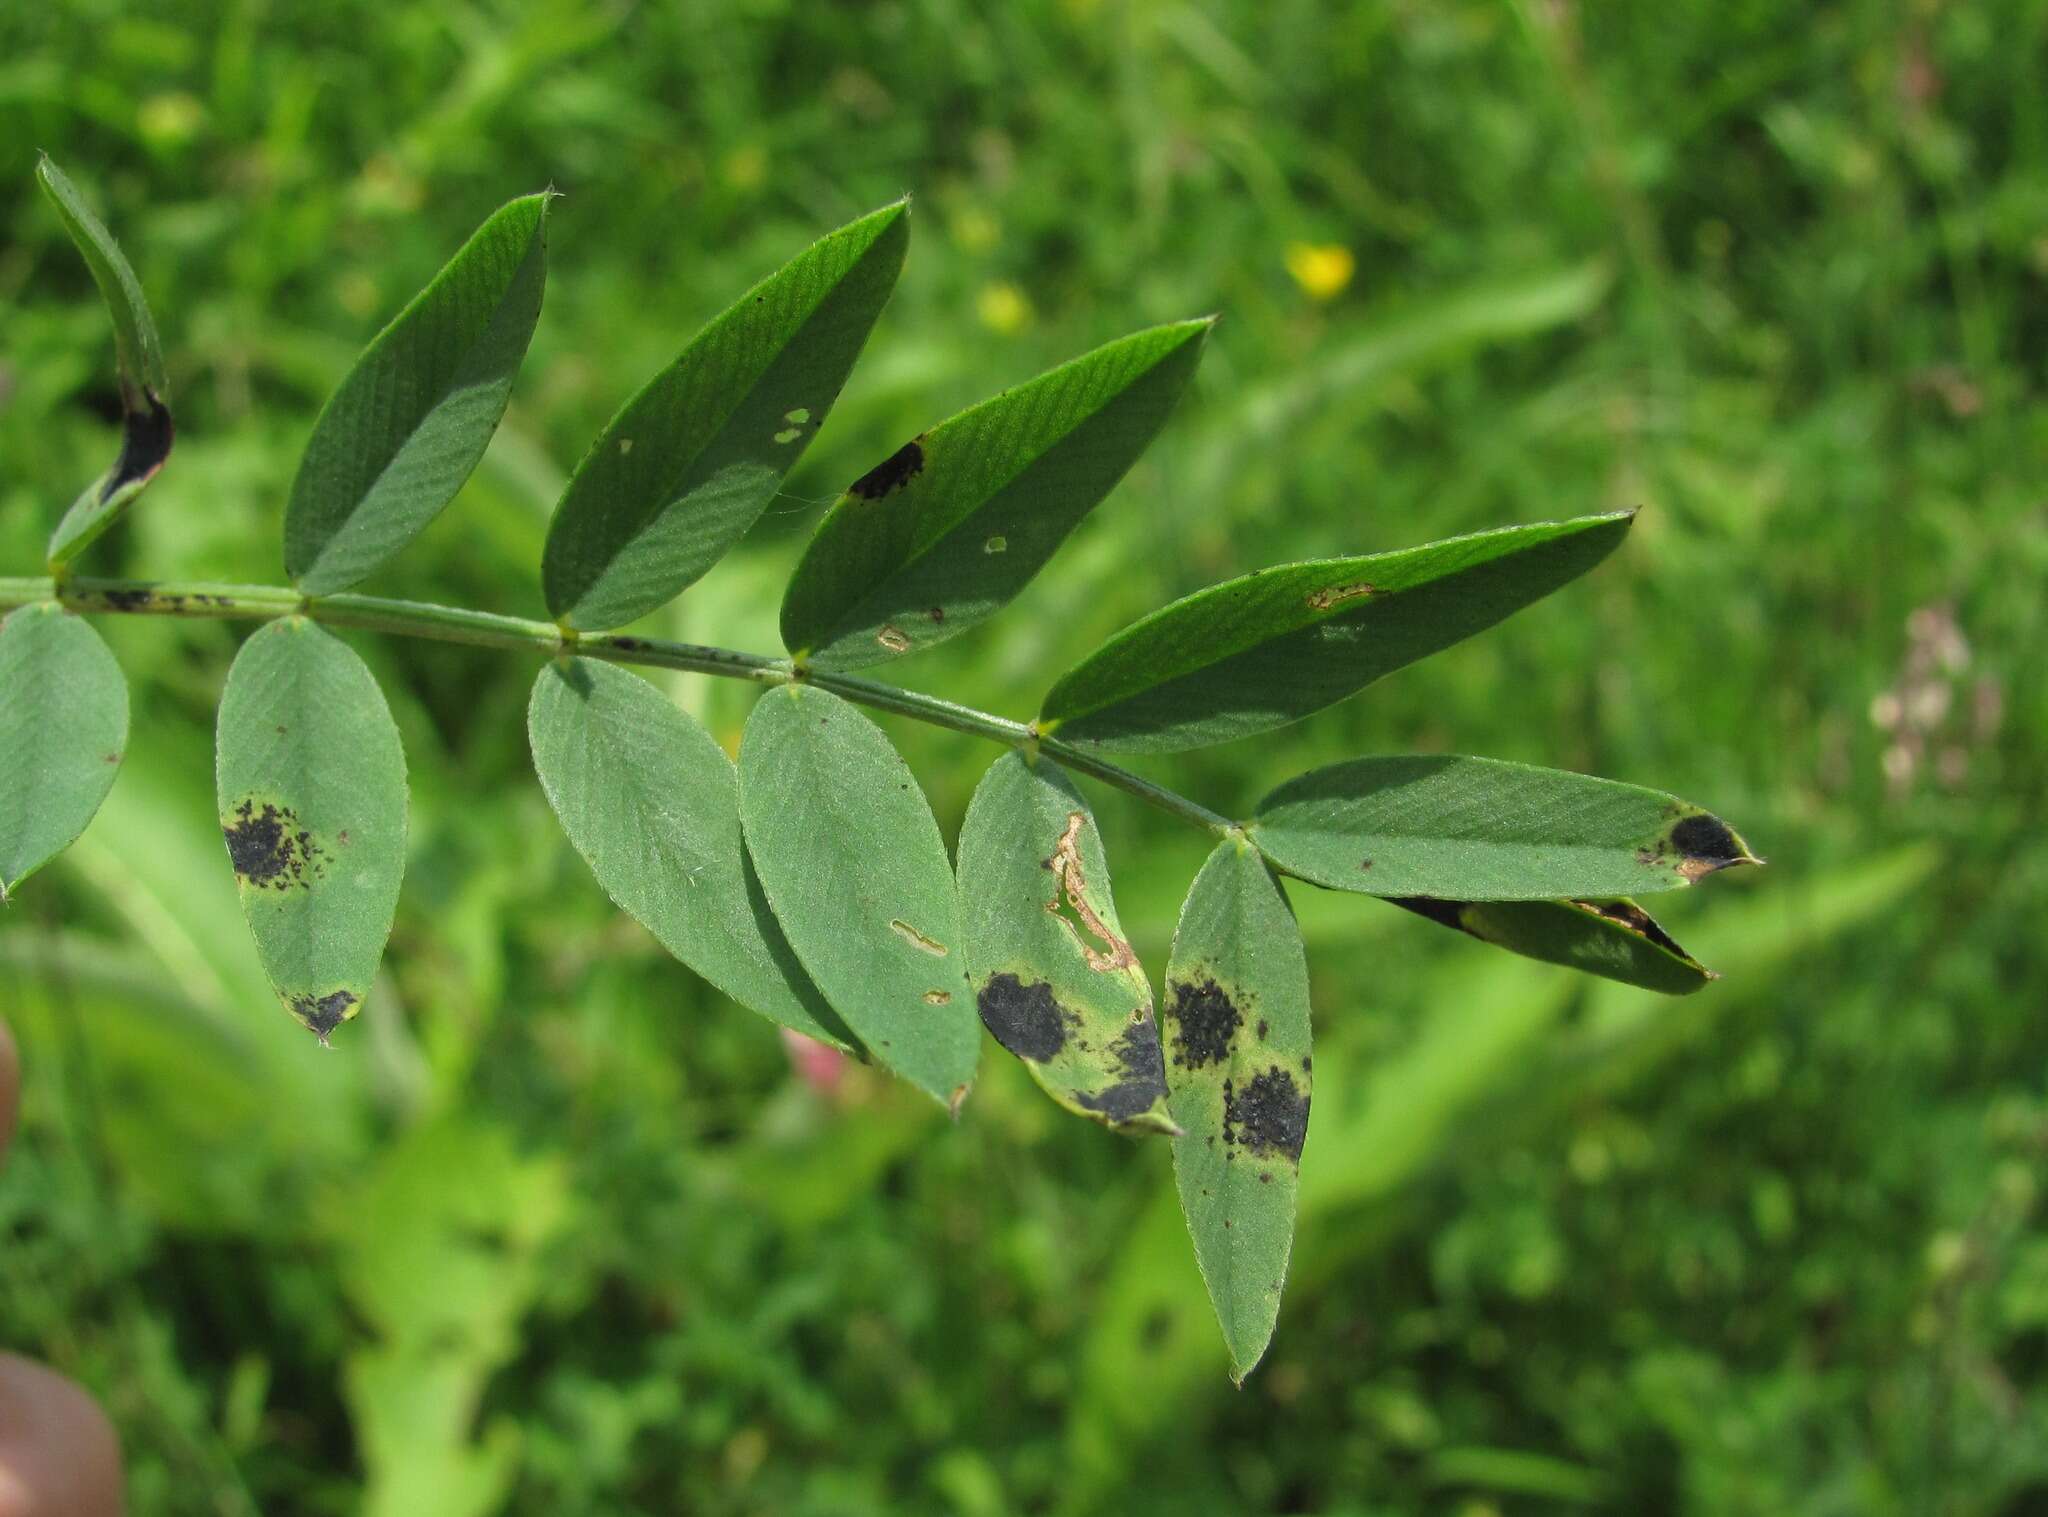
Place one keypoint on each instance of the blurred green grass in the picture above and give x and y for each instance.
(554, 1230)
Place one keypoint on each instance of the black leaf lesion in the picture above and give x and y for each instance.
(1025, 1018)
(269, 849)
(1140, 1081)
(1205, 1021)
(322, 1014)
(146, 436)
(892, 473)
(1269, 1115)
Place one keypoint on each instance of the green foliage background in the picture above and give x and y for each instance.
(555, 1230)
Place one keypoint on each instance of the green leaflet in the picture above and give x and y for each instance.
(1256, 653)
(63, 729)
(408, 423)
(946, 531)
(1054, 978)
(1236, 1022)
(146, 429)
(652, 803)
(1616, 940)
(857, 874)
(689, 463)
(1473, 829)
(311, 786)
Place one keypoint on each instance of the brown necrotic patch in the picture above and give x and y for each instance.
(269, 849)
(1205, 1023)
(1070, 904)
(1025, 1019)
(322, 1014)
(1140, 1075)
(1336, 595)
(1628, 915)
(892, 473)
(1268, 1116)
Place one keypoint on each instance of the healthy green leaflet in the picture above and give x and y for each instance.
(856, 871)
(63, 731)
(652, 803)
(690, 462)
(408, 423)
(1279, 644)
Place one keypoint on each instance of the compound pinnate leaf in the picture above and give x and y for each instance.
(689, 463)
(63, 730)
(146, 429)
(408, 423)
(946, 531)
(1054, 978)
(1236, 1022)
(311, 785)
(1614, 939)
(854, 867)
(1473, 829)
(650, 800)
(1272, 647)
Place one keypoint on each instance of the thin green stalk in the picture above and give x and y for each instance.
(485, 629)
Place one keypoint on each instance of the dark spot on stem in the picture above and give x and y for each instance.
(892, 473)
(269, 849)
(630, 644)
(1141, 1075)
(1270, 1115)
(1206, 1022)
(1025, 1019)
(129, 600)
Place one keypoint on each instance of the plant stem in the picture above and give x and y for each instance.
(486, 629)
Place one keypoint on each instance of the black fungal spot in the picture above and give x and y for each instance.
(1270, 1116)
(1206, 1021)
(630, 644)
(1706, 844)
(937, 614)
(146, 434)
(1263, 1029)
(322, 1014)
(270, 850)
(128, 600)
(892, 473)
(1024, 1018)
(1141, 1075)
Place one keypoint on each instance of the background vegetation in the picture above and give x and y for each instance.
(555, 1229)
